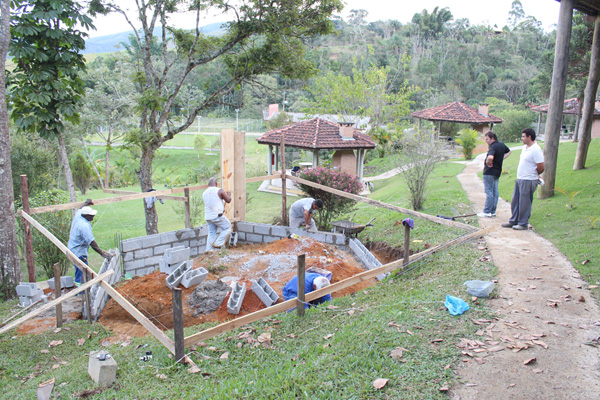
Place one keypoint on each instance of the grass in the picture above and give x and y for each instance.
(570, 229)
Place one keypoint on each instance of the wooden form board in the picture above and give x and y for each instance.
(355, 197)
(233, 172)
(164, 197)
(135, 313)
(277, 308)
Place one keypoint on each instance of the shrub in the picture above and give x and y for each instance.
(467, 138)
(514, 122)
(333, 205)
(82, 172)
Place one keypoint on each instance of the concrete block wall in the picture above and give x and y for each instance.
(365, 256)
(249, 232)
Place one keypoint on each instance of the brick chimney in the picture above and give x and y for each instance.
(484, 109)
(347, 130)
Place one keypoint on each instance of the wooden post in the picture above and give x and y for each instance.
(57, 290)
(88, 306)
(406, 244)
(178, 325)
(557, 97)
(283, 183)
(27, 226)
(301, 293)
(188, 217)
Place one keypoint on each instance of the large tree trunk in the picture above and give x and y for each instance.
(589, 101)
(65, 162)
(145, 177)
(557, 97)
(10, 266)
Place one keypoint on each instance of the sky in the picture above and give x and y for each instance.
(494, 12)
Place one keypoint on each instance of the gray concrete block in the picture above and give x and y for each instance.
(143, 253)
(246, 227)
(144, 271)
(174, 279)
(177, 255)
(262, 229)
(194, 276)
(242, 236)
(234, 304)
(27, 289)
(150, 241)
(279, 231)
(131, 244)
(128, 256)
(195, 251)
(104, 372)
(160, 249)
(253, 238)
(201, 230)
(269, 239)
(265, 292)
(168, 237)
(186, 234)
(65, 282)
(152, 261)
(132, 265)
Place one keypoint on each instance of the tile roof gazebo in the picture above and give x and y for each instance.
(318, 134)
(571, 107)
(459, 112)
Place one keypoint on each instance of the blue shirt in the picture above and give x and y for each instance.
(81, 235)
(290, 290)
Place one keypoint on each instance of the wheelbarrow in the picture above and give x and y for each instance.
(349, 228)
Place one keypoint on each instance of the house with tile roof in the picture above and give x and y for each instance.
(479, 119)
(570, 107)
(349, 144)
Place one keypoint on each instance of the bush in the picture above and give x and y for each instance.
(468, 138)
(333, 205)
(82, 172)
(514, 122)
(32, 156)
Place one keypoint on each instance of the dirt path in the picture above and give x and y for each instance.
(542, 302)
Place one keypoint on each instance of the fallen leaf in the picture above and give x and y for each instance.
(581, 299)
(44, 351)
(328, 336)
(593, 287)
(240, 345)
(332, 307)
(538, 371)
(470, 384)
(126, 343)
(295, 357)
(80, 342)
(57, 330)
(437, 340)
(63, 363)
(55, 343)
(397, 353)
(351, 312)
(495, 349)
(326, 345)
(444, 388)
(380, 383)
(55, 366)
(162, 376)
(265, 337)
(194, 369)
(512, 385)
(530, 361)
(212, 348)
(540, 343)
(224, 356)
(585, 262)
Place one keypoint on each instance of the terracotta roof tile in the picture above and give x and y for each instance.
(316, 133)
(456, 112)
(570, 107)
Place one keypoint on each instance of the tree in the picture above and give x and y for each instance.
(264, 37)
(82, 172)
(199, 143)
(45, 85)
(10, 266)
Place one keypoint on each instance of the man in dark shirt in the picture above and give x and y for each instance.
(492, 169)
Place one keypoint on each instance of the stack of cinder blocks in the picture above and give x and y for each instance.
(65, 282)
(173, 258)
(29, 293)
(265, 292)
(236, 298)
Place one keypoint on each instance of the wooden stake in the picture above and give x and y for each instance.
(88, 306)
(283, 184)
(57, 291)
(178, 325)
(188, 216)
(406, 244)
(27, 227)
(301, 288)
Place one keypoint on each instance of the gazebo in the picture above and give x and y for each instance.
(318, 134)
(458, 112)
(571, 107)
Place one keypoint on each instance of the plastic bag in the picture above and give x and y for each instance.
(479, 288)
(455, 305)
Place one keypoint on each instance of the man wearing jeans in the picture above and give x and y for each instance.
(531, 165)
(213, 213)
(491, 173)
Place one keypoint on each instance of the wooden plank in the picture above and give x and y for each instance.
(228, 169)
(57, 293)
(27, 228)
(239, 178)
(178, 324)
(301, 289)
(188, 214)
(284, 220)
(112, 292)
(355, 197)
(56, 301)
(263, 178)
(280, 307)
(164, 197)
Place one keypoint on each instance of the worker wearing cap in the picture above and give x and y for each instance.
(301, 213)
(214, 214)
(312, 282)
(81, 238)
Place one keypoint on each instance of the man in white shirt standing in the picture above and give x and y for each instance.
(531, 165)
(213, 214)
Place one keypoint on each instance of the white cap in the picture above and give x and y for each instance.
(88, 211)
(321, 282)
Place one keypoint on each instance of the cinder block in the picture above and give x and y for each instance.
(234, 304)
(262, 229)
(176, 255)
(160, 250)
(65, 282)
(27, 289)
(144, 271)
(135, 264)
(128, 256)
(254, 238)
(131, 244)
(103, 372)
(150, 241)
(268, 239)
(201, 230)
(168, 237)
(175, 278)
(319, 237)
(242, 236)
(265, 292)
(152, 261)
(194, 251)
(143, 253)
(246, 227)
(186, 234)
(279, 231)
(194, 276)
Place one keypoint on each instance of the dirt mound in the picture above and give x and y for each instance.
(275, 262)
(384, 252)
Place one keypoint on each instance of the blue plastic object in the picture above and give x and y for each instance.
(455, 305)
